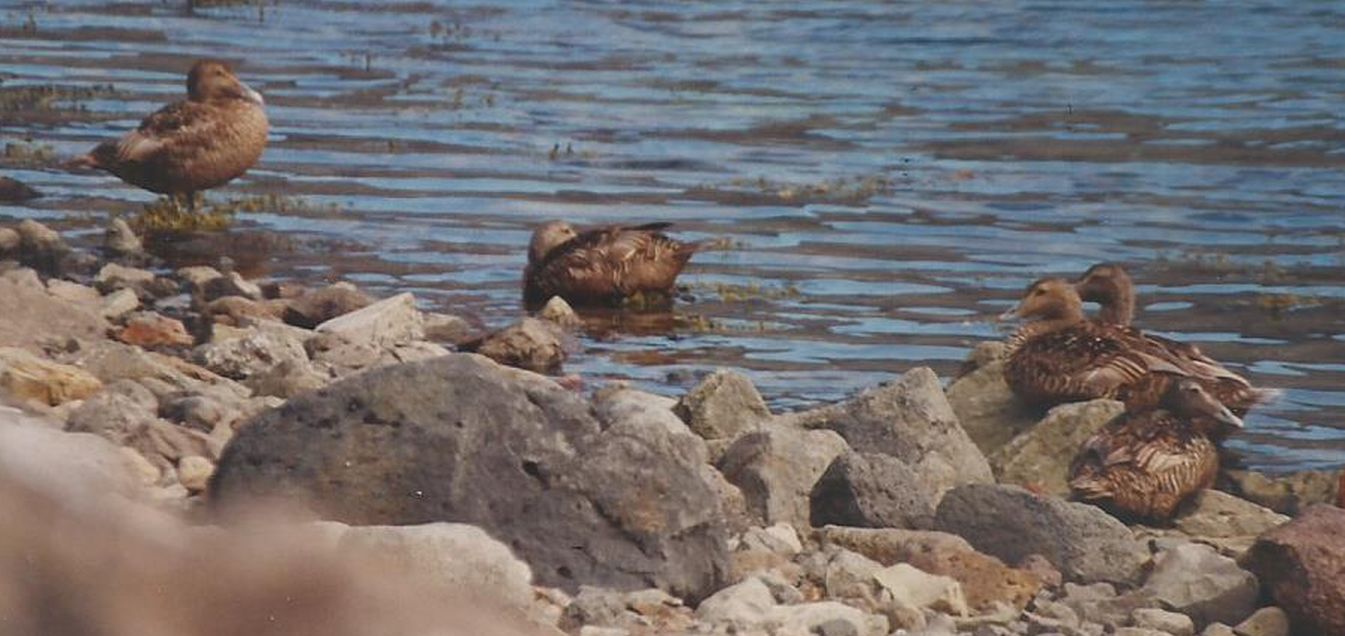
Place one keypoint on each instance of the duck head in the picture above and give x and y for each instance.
(1108, 285)
(210, 80)
(1188, 398)
(1048, 299)
(548, 237)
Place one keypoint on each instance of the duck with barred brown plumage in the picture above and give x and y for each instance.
(205, 141)
(604, 265)
(1059, 356)
(1143, 464)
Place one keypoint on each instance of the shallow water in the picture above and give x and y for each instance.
(887, 176)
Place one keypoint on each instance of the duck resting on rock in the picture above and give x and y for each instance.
(1143, 464)
(603, 265)
(1059, 356)
(205, 141)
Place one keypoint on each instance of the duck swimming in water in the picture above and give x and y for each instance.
(1143, 464)
(602, 266)
(1059, 356)
(186, 147)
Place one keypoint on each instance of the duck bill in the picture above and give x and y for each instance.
(251, 95)
(1225, 416)
(1011, 314)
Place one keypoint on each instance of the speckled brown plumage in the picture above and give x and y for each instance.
(1143, 464)
(1110, 286)
(211, 138)
(603, 265)
(1061, 357)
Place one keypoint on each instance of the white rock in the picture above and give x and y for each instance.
(74, 292)
(457, 557)
(1196, 580)
(740, 605)
(193, 472)
(850, 575)
(824, 617)
(916, 588)
(560, 312)
(780, 538)
(1267, 621)
(387, 322)
(119, 303)
(114, 276)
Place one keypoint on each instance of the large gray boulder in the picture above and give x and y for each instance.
(1041, 455)
(460, 438)
(1083, 542)
(1196, 580)
(909, 419)
(985, 405)
(871, 490)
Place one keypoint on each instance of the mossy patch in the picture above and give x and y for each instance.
(730, 293)
(50, 97)
(172, 215)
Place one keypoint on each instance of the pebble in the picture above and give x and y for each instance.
(193, 472)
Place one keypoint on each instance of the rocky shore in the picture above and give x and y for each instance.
(243, 444)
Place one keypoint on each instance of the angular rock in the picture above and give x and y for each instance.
(1196, 580)
(1164, 621)
(341, 356)
(446, 328)
(560, 313)
(28, 377)
(127, 421)
(909, 419)
(1040, 456)
(151, 330)
(240, 312)
(165, 376)
(723, 406)
(453, 557)
(826, 618)
(1008, 522)
(913, 587)
(871, 491)
(1267, 621)
(742, 605)
(286, 379)
(461, 438)
(319, 306)
(1225, 520)
(256, 352)
(119, 303)
(780, 538)
(777, 468)
(1288, 493)
(531, 344)
(230, 284)
(388, 322)
(113, 277)
(985, 406)
(32, 316)
(41, 247)
(985, 580)
(1302, 566)
(195, 277)
(76, 293)
(120, 240)
(14, 191)
(193, 472)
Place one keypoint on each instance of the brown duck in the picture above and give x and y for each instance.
(1143, 464)
(1059, 356)
(603, 265)
(209, 139)
(1110, 286)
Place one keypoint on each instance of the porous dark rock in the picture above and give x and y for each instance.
(723, 406)
(909, 419)
(1008, 522)
(1302, 566)
(777, 468)
(460, 438)
(871, 490)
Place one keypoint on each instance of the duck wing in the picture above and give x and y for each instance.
(158, 131)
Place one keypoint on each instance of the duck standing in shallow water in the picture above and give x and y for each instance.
(1110, 286)
(1143, 464)
(186, 147)
(602, 266)
(1059, 356)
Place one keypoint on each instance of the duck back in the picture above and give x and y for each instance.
(607, 265)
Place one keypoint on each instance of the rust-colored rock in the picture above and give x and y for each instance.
(154, 330)
(1302, 565)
